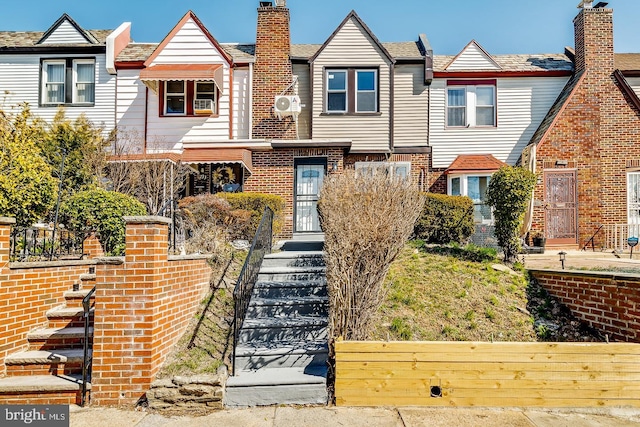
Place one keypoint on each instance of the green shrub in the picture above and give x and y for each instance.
(509, 192)
(445, 219)
(255, 203)
(101, 211)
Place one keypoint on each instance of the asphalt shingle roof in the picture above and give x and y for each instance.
(627, 61)
(16, 39)
(136, 52)
(537, 62)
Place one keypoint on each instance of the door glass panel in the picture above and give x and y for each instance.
(309, 179)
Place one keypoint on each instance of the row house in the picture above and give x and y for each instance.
(65, 66)
(278, 118)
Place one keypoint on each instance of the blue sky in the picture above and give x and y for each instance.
(500, 26)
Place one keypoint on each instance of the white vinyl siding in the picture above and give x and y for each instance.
(522, 103)
(411, 117)
(634, 82)
(352, 48)
(241, 103)
(130, 109)
(65, 34)
(189, 46)
(20, 79)
(304, 91)
(472, 58)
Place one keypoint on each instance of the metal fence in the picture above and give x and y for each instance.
(45, 244)
(616, 235)
(485, 236)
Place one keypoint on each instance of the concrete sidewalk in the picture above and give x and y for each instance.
(285, 416)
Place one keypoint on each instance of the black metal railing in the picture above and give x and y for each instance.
(260, 246)
(176, 228)
(86, 307)
(592, 240)
(44, 244)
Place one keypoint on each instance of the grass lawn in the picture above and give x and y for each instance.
(440, 293)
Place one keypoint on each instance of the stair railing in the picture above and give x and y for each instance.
(86, 307)
(592, 240)
(260, 246)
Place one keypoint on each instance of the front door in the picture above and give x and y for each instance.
(561, 207)
(309, 176)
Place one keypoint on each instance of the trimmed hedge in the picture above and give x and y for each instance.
(255, 203)
(445, 219)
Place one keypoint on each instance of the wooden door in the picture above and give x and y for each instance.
(561, 206)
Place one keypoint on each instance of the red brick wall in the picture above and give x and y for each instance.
(142, 307)
(273, 174)
(28, 291)
(272, 73)
(595, 133)
(608, 302)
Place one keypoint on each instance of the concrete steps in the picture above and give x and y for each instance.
(50, 370)
(281, 354)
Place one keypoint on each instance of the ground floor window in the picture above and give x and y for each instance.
(475, 187)
(399, 169)
(214, 178)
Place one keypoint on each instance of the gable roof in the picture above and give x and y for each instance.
(516, 63)
(466, 163)
(178, 27)
(490, 63)
(353, 15)
(66, 18)
(558, 106)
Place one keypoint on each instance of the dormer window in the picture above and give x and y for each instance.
(175, 98)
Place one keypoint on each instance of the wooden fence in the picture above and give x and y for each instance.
(487, 374)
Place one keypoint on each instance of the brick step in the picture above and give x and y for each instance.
(57, 338)
(63, 316)
(57, 362)
(41, 390)
(74, 298)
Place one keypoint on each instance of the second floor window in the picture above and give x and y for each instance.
(351, 91)
(471, 105)
(188, 98)
(175, 97)
(68, 81)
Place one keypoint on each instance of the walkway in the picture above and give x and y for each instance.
(284, 416)
(582, 260)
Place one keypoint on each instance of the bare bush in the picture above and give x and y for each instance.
(366, 219)
(151, 177)
(211, 222)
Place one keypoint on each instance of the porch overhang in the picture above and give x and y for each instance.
(195, 72)
(218, 155)
(474, 163)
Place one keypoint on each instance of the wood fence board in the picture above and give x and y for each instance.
(488, 374)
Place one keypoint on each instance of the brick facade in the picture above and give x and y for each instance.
(142, 308)
(608, 302)
(272, 74)
(594, 133)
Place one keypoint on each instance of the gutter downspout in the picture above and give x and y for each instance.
(250, 100)
(392, 94)
(146, 114)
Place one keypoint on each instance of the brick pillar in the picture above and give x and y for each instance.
(92, 246)
(5, 240)
(124, 353)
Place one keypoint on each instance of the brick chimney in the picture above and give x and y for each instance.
(594, 39)
(272, 73)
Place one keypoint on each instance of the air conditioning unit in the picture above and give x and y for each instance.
(203, 106)
(288, 105)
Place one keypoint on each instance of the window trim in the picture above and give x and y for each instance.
(214, 100)
(471, 106)
(351, 92)
(70, 79)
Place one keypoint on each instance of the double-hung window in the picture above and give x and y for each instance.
(205, 98)
(351, 91)
(471, 103)
(175, 97)
(68, 81)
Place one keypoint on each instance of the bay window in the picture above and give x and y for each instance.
(475, 187)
